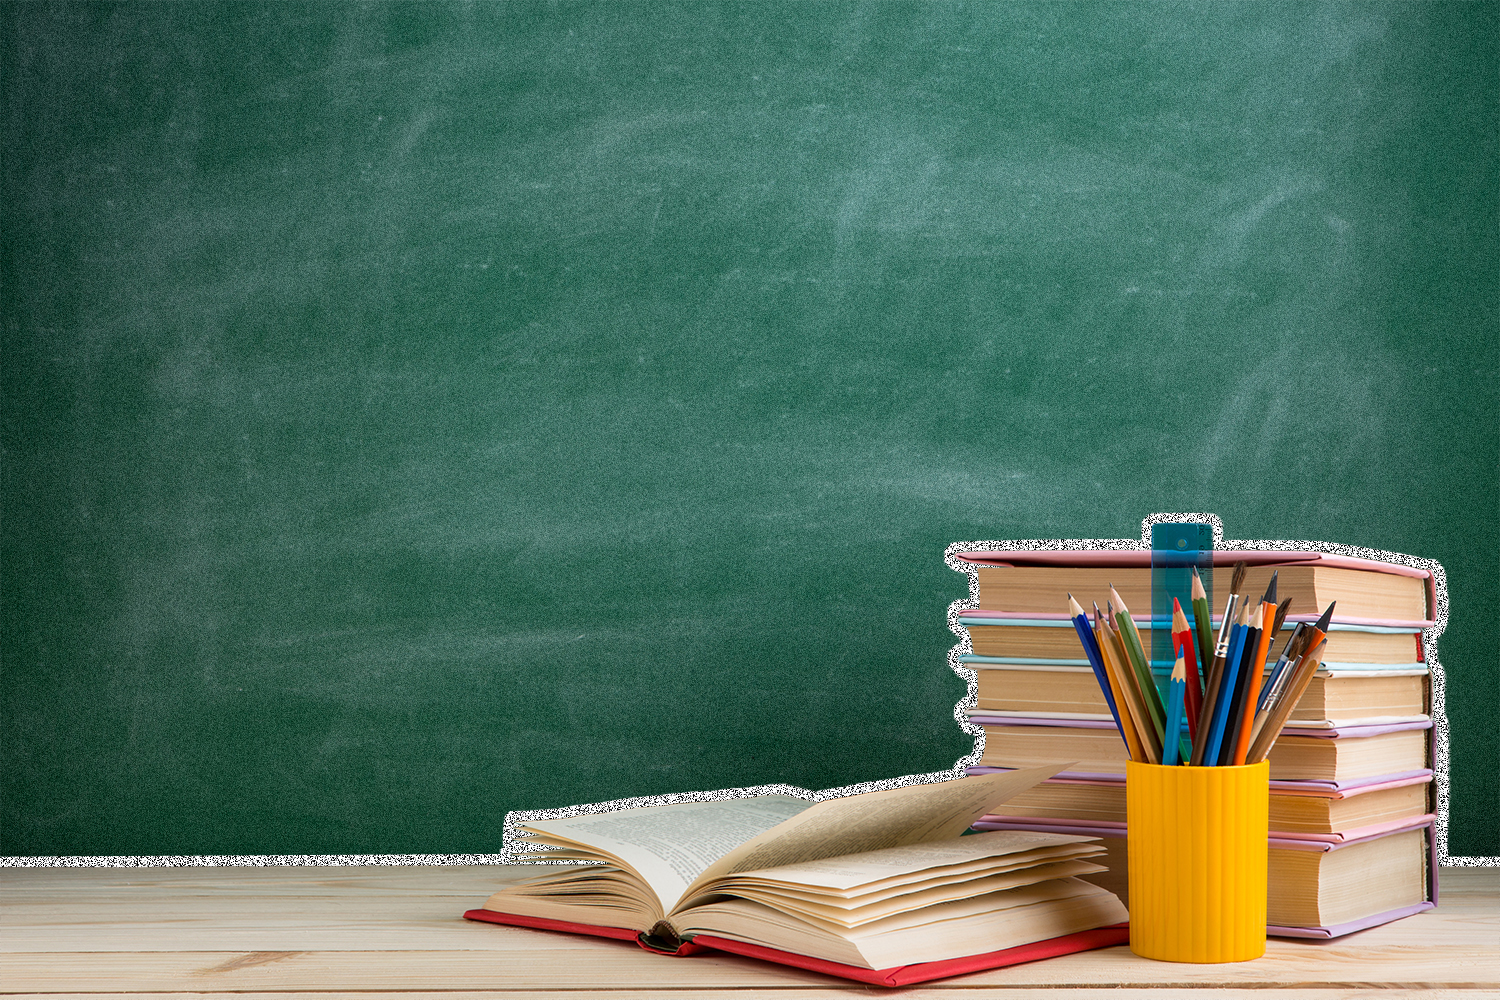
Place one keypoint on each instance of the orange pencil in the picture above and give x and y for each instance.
(1257, 670)
(1127, 720)
(1116, 661)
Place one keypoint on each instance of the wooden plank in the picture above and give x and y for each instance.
(606, 966)
(268, 931)
(398, 924)
(580, 965)
(449, 880)
(258, 925)
(130, 918)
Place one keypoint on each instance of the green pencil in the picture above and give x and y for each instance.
(1132, 639)
(1203, 626)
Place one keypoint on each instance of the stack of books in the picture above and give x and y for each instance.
(1351, 842)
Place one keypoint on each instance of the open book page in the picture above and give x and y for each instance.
(1013, 899)
(601, 895)
(932, 934)
(670, 846)
(858, 912)
(911, 814)
(588, 885)
(943, 860)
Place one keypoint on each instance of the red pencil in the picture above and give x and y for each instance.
(1182, 637)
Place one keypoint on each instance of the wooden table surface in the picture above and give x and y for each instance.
(396, 934)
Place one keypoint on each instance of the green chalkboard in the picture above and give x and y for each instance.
(415, 412)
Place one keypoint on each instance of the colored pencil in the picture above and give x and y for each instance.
(1183, 638)
(1124, 677)
(1203, 624)
(1296, 688)
(1091, 650)
(1131, 637)
(1214, 680)
(1175, 695)
(1212, 748)
(1250, 618)
(1319, 631)
(1316, 633)
(1257, 671)
(1129, 714)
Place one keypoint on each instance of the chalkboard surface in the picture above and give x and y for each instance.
(416, 412)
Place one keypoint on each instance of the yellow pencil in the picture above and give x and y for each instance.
(1125, 678)
(1130, 637)
(1127, 719)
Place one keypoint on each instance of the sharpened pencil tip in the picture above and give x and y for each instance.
(1270, 597)
(1327, 617)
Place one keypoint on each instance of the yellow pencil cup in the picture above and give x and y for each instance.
(1197, 861)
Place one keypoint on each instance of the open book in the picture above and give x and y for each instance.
(871, 881)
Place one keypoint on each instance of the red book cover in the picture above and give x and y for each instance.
(902, 975)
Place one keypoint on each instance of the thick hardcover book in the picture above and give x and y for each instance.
(1340, 694)
(901, 975)
(1374, 851)
(1035, 638)
(1301, 753)
(1297, 807)
(1366, 590)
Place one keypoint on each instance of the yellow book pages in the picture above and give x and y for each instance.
(1308, 758)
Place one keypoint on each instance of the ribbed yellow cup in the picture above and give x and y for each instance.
(1197, 861)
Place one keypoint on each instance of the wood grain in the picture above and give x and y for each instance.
(277, 933)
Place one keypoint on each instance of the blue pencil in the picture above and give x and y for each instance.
(1096, 659)
(1176, 694)
(1226, 695)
